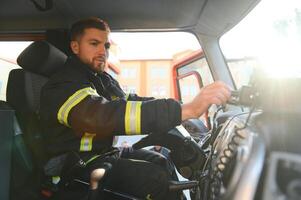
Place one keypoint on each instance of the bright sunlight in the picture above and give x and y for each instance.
(272, 35)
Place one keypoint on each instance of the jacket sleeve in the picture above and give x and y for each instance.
(121, 117)
(75, 104)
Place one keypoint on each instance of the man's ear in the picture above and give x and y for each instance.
(74, 47)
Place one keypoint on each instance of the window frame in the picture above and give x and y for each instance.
(197, 55)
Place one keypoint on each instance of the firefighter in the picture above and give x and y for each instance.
(83, 108)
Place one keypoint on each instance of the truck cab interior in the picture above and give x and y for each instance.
(247, 149)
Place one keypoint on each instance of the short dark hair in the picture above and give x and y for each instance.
(79, 27)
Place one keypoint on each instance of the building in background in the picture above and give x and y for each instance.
(147, 77)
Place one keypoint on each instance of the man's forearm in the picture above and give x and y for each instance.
(216, 93)
(186, 111)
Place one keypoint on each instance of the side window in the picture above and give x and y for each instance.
(9, 52)
(189, 86)
(5, 67)
(192, 74)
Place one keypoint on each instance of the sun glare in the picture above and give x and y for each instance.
(272, 35)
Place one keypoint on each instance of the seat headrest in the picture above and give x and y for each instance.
(41, 58)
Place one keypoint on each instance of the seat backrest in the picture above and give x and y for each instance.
(38, 61)
(23, 90)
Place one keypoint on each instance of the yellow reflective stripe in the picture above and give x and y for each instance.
(55, 179)
(114, 97)
(93, 158)
(127, 117)
(72, 101)
(86, 142)
(138, 117)
(133, 117)
(148, 197)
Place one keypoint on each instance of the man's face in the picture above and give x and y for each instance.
(90, 48)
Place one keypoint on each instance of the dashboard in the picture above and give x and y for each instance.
(254, 156)
(236, 160)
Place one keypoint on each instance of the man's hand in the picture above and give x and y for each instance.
(216, 93)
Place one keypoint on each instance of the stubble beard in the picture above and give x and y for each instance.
(99, 65)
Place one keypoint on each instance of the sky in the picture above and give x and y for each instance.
(256, 36)
(154, 45)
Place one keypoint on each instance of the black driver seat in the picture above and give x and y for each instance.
(38, 61)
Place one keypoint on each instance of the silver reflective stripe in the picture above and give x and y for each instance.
(133, 117)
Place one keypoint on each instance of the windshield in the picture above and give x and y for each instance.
(146, 60)
(268, 39)
(141, 62)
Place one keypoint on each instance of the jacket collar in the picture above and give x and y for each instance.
(75, 61)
